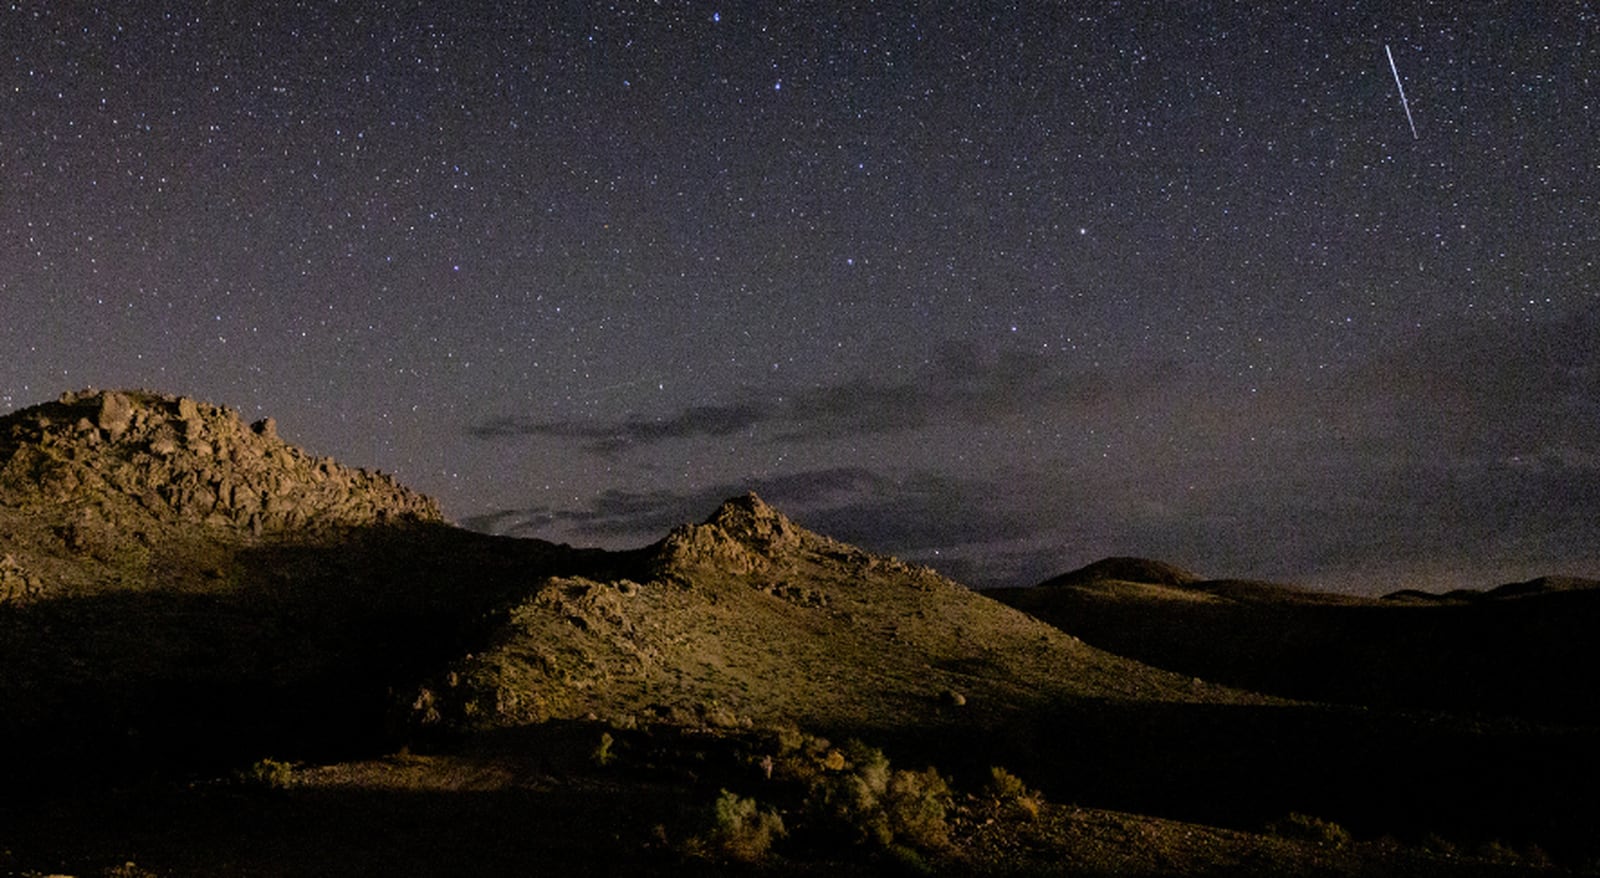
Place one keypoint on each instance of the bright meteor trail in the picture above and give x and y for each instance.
(1403, 101)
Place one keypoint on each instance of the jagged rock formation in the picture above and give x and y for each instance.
(746, 536)
(178, 460)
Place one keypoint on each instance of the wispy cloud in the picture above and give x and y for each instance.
(604, 437)
(957, 386)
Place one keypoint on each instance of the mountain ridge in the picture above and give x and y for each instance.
(183, 596)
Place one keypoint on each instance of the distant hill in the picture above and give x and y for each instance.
(1127, 578)
(1543, 585)
(1124, 569)
(1523, 649)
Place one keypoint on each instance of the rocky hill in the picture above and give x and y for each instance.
(96, 484)
(177, 585)
(208, 561)
(750, 617)
(176, 459)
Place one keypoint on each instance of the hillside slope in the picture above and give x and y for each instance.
(750, 616)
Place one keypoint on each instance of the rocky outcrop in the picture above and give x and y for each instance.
(744, 535)
(17, 586)
(182, 460)
(749, 539)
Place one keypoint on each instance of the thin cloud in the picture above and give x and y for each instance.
(602, 437)
(958, 386)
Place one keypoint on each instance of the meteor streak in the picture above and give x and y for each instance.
(1403, 101)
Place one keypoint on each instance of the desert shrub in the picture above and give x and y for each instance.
(867, 763)
(1011, 794)
(267, 774)
(869, 803)
(715, 716)
(801, 758)
(602, 755)
(1003, 785)
(741, 829)
(1303, 827)
(916, 804)
(850, 802)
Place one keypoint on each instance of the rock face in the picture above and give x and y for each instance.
(184, 461)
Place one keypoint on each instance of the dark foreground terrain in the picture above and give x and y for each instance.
(221, 656)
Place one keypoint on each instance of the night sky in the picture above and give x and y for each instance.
(999, 288)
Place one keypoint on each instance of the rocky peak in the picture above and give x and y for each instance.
(751, 521)
(178, 459)
(744, 535)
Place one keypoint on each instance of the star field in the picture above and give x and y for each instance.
(1001, 288)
